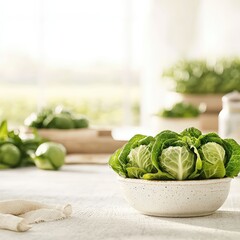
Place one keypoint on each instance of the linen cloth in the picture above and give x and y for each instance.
(100, 211)
(18, 215)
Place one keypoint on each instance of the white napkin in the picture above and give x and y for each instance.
(17, 215)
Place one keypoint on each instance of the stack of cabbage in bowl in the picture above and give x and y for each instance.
(188, 155)
(192, 172)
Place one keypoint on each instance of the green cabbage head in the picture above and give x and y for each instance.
(50, 156)
(177, 161)
(10, 156)
(213, 158)
(139, 161)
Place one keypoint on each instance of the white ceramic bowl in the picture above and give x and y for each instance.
(176, 198)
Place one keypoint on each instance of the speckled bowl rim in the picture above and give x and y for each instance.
(175, 182)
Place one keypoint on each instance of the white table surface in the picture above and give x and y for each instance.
(100, 212)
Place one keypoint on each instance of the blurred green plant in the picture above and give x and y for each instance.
(102, 106)
(180, 110)
(17, 151)
(58, 117)
(200, 77)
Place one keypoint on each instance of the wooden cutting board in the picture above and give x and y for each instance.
(83, 140)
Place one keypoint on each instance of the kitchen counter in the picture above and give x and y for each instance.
(100, 212)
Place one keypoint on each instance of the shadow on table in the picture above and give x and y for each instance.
(222, 220)
(126, 224)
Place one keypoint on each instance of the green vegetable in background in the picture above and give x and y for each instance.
(18, 151)
(58, 118)
(50, 156)
(180, 110)
(80, 122)
(12, 150)
(177, 156)
(60, 121)
(10, 155)
(199, 77)
(35, 120)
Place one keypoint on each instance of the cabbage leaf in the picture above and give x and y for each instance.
(212, 155)
(177, 156)
(177, 161)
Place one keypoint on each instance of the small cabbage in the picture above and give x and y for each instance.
(141, 157)
(50, 156)
(139, 161)
(213, 158)
(10, 155)
(60, 121)
(177, 161)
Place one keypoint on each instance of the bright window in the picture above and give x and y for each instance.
(104, 58)
(76, 53)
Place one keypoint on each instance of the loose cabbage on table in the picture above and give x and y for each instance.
(50, 156)
(16, 151)
(177, 156)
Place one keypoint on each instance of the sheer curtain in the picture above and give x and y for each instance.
(126, 43)
(177, 29)
(47, 43)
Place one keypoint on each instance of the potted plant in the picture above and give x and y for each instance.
(180, 116)
(199, 82)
